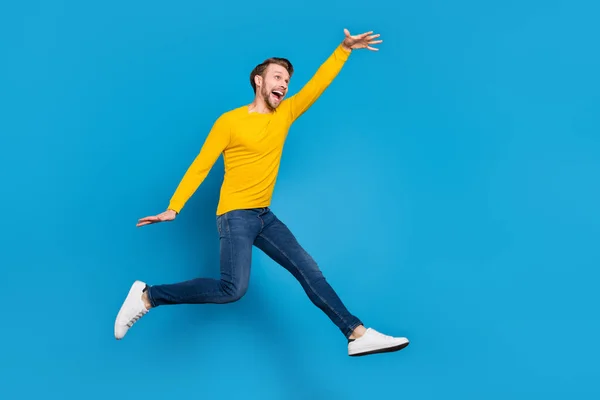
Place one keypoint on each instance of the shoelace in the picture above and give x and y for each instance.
(136, 318)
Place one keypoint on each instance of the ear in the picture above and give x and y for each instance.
(258, 80)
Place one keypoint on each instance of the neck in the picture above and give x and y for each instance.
(258, 105)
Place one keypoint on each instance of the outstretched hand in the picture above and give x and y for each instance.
(168, 215)
(362, 41)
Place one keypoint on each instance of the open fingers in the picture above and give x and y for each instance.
(366, 35)
(371, 41)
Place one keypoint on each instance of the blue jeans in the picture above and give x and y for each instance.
(239, 230)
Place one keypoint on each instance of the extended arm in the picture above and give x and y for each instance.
(327, 72)
(215, 143)
(312, 90)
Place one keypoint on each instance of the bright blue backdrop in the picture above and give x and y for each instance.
(447, 185)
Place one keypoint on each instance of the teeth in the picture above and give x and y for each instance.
(278, 92)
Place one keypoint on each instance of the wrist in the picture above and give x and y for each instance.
(346, 48)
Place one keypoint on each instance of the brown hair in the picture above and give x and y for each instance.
(262, 67)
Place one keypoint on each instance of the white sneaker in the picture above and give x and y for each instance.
(131, 311)
(373, 342)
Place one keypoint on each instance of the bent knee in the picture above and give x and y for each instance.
(233, 293)
(236, 296)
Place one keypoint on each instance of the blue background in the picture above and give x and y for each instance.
(447, 185)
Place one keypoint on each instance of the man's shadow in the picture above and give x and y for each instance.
(197, 240)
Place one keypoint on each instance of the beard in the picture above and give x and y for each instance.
(266, 95)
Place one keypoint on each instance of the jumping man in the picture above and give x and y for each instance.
(251, 139)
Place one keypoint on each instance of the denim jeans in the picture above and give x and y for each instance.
(239, 230)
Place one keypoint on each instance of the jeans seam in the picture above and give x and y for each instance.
(307, 281)
(231, 250)
(227, 237)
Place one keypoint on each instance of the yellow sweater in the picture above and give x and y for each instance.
(252, 144)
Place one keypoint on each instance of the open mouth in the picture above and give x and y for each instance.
(278, 94)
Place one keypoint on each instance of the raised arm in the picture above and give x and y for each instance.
(312, 90)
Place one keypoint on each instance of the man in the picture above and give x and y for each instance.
(251, 139)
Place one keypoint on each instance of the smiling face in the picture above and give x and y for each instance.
(274, 85)
(270, 81)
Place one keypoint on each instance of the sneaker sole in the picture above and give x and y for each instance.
(382, 350)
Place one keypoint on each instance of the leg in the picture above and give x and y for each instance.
(237, 231)
(278, 242)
